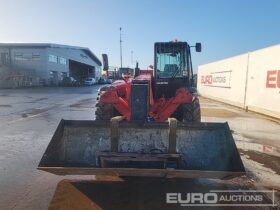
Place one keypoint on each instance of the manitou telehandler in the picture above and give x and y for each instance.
(148, 125)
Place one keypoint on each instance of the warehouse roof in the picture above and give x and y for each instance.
(51, 45)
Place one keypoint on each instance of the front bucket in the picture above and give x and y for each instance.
(94, 147)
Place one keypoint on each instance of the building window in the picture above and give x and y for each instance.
(36, 56)
(4, 58)
(18, 56)
(53, 58)
(26, 56)
(62, 60)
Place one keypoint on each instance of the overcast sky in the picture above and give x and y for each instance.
(225, 28)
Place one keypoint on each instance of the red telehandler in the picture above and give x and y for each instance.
(148, 125)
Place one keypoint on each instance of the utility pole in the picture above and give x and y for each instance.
(131, 58)
(121, 45)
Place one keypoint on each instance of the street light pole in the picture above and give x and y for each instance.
(121, 45)
(132, 57)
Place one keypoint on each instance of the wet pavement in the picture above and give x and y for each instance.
(29, 117)
(136, 193)
(27, 126)
(251, 131)
(256, 136)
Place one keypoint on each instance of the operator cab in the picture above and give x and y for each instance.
(173, 68)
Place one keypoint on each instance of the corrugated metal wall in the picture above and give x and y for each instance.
(28, 64)
(250, 81)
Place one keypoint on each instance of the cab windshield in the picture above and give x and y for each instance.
(170, 61)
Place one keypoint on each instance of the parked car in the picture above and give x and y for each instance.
(104, 81)
(89, 81)
(69, 81)
(101, 81)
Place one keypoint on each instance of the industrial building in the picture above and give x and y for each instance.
(28, 64)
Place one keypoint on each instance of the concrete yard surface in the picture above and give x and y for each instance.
(256, 136)
(136, 193)
(29, 117)
(27, 126)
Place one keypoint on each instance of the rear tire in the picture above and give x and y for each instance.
(104, 111)
(188, 112)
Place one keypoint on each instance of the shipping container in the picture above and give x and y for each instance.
(250, 81)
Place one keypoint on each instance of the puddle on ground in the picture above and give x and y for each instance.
(33, 112)
(266, 160)
(40, 99)
(256, 147)
(84, 103)
(4, 95)
(5, 105)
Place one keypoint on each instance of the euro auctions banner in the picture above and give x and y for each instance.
(217, 79)
(273, 79)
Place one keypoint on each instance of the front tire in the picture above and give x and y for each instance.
(104, 111)
(188, 112)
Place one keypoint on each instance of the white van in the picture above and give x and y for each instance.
(89, 81)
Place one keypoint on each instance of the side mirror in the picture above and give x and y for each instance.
(136, 70)
(192, 81)
(105, 62)
(198, 47)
